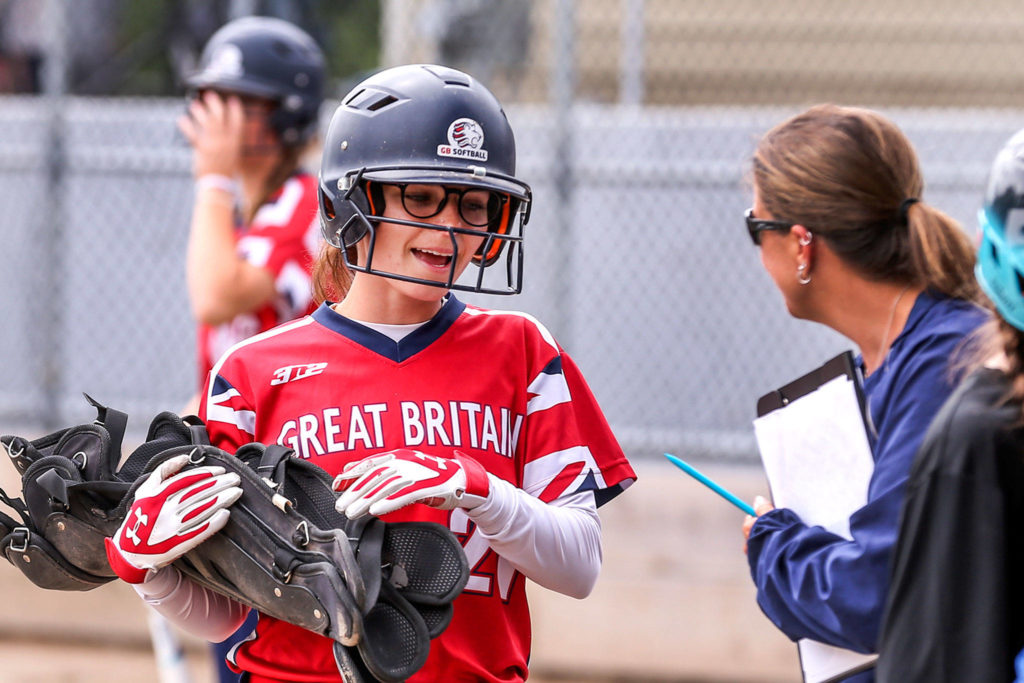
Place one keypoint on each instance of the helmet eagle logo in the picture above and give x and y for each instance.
(226, 62)
(467, 133)
(466, 141)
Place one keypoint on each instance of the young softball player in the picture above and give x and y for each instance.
(425, 408)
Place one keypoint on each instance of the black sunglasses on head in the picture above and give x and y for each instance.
(756, 225)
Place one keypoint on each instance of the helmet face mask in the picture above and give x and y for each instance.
(271, 59)
(501, 242)
(424, 125)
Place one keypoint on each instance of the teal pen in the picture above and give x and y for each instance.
(686, 467)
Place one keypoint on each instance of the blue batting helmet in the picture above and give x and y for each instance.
(270, 58)
(424, 124)
(1000, 268)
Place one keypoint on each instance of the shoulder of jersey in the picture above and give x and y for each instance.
(510, 319)
(308, 181)
(272, 341)
(307, 186)
(291, 207)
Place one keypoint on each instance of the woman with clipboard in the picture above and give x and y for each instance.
(956, 608)
(844, 235)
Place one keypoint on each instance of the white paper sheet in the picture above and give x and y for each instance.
(818, 462)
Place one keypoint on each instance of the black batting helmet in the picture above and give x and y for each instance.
(423, 124)
(269, 58)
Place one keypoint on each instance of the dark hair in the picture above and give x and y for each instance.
(845, 174)
(994, 337)
(1012, 342)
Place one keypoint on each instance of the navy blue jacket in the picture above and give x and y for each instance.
(812, 583)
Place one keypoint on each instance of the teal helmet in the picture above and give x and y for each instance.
(1000, 267)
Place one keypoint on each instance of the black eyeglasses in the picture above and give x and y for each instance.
(756, 225)
(476, 206)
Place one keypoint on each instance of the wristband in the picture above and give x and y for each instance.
(217, 181)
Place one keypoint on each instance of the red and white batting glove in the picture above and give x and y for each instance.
(173, 512)
(385, 482)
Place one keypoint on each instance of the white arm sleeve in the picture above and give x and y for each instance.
(557, 544)
(192, 607)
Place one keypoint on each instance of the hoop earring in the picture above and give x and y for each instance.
(802, 276)
(805, 240)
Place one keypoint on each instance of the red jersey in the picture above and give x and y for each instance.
(493, 384)
(283, 239)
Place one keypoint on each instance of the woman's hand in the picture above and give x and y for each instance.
(761, 506)
(215, 127)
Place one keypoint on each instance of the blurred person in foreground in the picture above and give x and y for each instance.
(252, 115)
(845, 235)
(956, 608)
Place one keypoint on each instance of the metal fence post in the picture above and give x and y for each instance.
(631, 65)
(51, 218)
(562, 92)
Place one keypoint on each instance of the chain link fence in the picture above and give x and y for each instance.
(635, 120)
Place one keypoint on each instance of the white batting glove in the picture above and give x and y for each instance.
(173, 512)
(385, 482)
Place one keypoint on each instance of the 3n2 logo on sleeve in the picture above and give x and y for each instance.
(290, 373)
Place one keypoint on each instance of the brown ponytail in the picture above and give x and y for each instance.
(941, 255)
(845, 173)
(331, 276)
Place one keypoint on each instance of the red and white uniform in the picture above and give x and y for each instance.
(282, 238)
(493, 384)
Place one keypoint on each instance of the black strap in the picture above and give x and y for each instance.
(18, 539)
(272, 463)
(18, 505)
(114, 420)
(55, 486)
(200, 437)
(284, 564)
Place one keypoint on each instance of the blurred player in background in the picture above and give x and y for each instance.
(849, 243)
(252, 115)
(477, 419)
(956, 608)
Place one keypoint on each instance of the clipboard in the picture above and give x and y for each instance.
(842, 365)
(827, 492)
